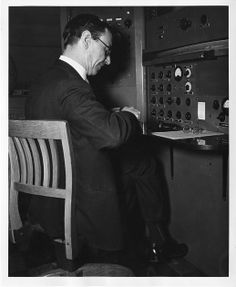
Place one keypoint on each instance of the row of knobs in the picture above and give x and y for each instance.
(170, 101)
(215, 105)
(160, 88)
(168, 74)
(178, 114)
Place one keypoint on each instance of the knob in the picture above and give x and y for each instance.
(153, 100)
(188, 116)
(178, 115)
(188, 87)
(168, 87)
(188, 101)
(160, 88)
(221, 117)
(127, 23)
(160, 75)
(178, 101)
(161, 113)
(168, 74)
(153, 88)
(169, 101)
(169, 114)
(153, 113)
(216, 105)
(185, 24)
(187, 73)
(204, 19)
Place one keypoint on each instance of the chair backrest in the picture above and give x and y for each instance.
(39, 151)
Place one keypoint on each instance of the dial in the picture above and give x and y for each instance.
(188, 87)
(153, 113)
(188, 101)
(153, 100)
(168, 87)
(178, 115)
(225, 106)
(178, 101)
(169, 114)
(188, 73)
(178, 73)
(188, 116)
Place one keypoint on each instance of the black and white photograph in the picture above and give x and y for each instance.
(118, 133)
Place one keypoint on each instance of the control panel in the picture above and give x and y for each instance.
(189, 95)
(172, 27)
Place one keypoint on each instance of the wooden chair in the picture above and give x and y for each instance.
(35, 167)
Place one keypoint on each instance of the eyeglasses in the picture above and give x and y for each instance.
(108, 50)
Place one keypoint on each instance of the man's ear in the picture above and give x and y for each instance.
(86, 38)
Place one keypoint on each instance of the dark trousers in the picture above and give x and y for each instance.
(142, 188)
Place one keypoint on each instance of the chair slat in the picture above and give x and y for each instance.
(22, 159)
(46, 162)
(14, 173)
(37, 129)
(55, 162)
(36, 162)
(29, 160)
(40, 190)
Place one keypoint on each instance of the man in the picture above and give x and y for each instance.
(108, 165)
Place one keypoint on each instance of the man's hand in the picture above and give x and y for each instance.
(132, 110)
(128, 109)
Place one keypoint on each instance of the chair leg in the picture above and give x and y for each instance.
(62, 261)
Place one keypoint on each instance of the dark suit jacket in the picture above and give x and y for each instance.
(63, 95)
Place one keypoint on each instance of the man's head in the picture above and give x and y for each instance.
(88, 40)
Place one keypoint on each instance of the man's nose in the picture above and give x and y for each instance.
(108, 60)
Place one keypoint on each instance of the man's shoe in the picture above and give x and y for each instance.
(168, 250)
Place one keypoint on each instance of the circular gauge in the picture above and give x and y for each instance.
(225, 106)
(178, 73)
(188, 73)
(188, 87)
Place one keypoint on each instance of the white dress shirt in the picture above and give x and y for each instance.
(80, 69)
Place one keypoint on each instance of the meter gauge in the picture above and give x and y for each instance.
(188, 87)
(188, 73)
(178, 73)
(225, 106)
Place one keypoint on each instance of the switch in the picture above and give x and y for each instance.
(201, 110)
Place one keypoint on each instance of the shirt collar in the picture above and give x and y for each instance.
(80, 69)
